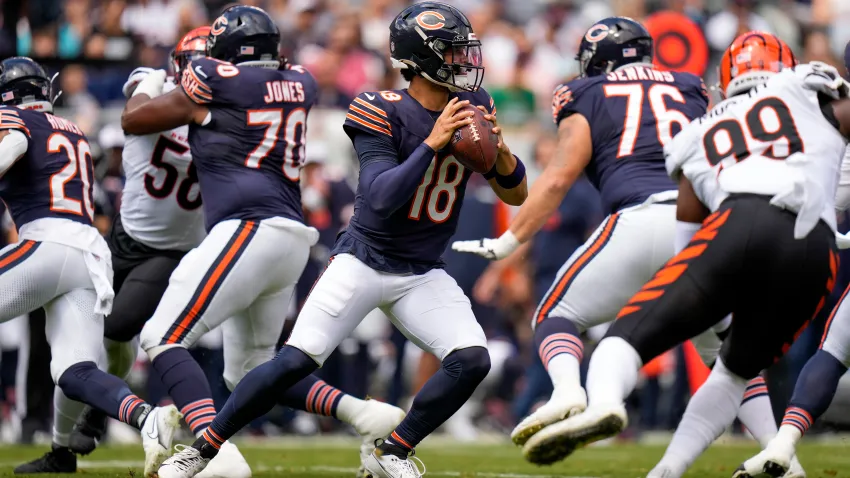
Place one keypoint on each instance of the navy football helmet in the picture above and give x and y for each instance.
(246, 36)
(611, 43)
(436, 42)
(23, 82)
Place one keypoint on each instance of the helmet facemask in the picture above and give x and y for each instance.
(458, 63)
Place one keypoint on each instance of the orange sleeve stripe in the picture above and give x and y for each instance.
(366, 115)
(368, 125)
(371, 107)
(4, 125)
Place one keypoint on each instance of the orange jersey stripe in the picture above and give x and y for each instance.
(208, 286)
(368, 125)
(371, 107)
(553, 298)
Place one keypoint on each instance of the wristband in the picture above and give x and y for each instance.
(491, 173)
(514, 179)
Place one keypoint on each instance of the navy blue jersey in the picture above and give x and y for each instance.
(248, 156)
(632, 113)
(413, 238)
(54, 177)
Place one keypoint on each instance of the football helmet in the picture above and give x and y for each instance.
(245, 36)
(611, 43)
(847, 59)
(436, 42)
(24, 83)
(192, 45)
(751, 59)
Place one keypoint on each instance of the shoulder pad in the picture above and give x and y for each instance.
(569, 93)
(10, 118)
(368, 112)
(197, 79)
(823, 78)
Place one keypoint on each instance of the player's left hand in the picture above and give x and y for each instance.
(497, 130)
(493, 249)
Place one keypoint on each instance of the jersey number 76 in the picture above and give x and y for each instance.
(634, 93)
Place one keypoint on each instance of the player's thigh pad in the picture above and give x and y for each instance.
(249, 338)
(74, 331)
(136, 303)
(603, 274)
(432, 311)
(836, 335)
(345, 292)
(32, 273)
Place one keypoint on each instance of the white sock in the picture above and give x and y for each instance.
(790, 434)
(65, 415)
(709, 412)
(348, 408)
(613, 372)
(565, 371)
(757, 413)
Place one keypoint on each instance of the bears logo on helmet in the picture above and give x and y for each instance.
(597, 33)
(751, 59)
(247, 36)
(219, 25)
(421, 20)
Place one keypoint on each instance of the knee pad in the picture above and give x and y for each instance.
(470, 364)
(313, 343)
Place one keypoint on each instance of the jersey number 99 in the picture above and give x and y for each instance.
(769, 122)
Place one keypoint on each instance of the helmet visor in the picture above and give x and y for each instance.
(465, 61)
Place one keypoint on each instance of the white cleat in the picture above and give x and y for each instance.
(560, 440)
(157, 433)
(379, 465)
(375, 421)
(662, 472)
(564, 403)
(228, 463)
(186, 463)
(796, 470)
(773, 462)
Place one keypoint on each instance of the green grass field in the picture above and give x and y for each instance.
(332, 458)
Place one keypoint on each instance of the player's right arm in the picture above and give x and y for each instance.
(385, 183)
(14, 139)
(147, 112)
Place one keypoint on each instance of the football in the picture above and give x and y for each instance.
(475, 145)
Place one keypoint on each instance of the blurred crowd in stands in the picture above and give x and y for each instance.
(528, 47)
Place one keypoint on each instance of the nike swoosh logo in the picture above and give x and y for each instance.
(371, 97)
(154, 435)
(199, 71)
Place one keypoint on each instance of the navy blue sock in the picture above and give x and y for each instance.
(440, 397)
(312, 395)
(554, 336)
(187, 386)
(256, 394)
(814, 390)
(84, 382)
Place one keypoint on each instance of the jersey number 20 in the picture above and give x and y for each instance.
(634, 111)
(79, 163)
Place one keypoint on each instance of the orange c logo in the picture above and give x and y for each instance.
(440, 23)
(596, 33)
(219, 25)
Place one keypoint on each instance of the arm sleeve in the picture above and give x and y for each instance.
(385, 184)
(12, 147)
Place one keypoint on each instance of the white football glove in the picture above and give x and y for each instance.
(493, 249)
(151, 84)
(134, 79)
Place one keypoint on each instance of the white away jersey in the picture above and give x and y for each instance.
(161, 203)
(773, 141)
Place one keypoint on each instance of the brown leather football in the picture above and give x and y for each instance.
(475, 145)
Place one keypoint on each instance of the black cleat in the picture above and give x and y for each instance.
(57, 460)
(88, 432)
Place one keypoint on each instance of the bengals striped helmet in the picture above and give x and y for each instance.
(192, 45)
(751, 59)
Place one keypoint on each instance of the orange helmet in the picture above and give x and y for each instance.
(192, 45)
(751, 59)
